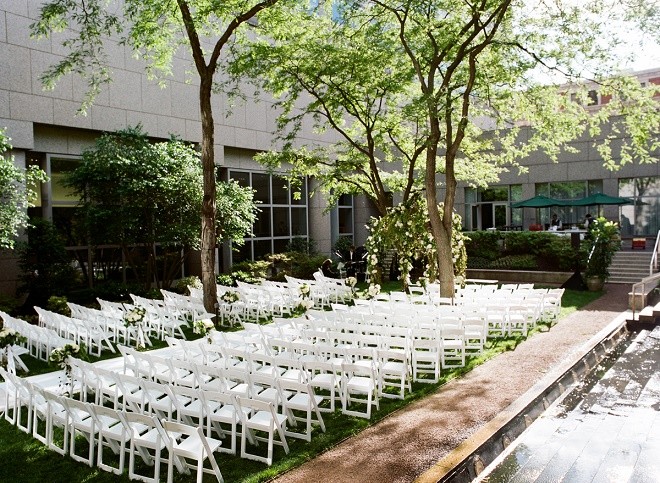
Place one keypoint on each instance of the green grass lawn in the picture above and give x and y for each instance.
(23, 459)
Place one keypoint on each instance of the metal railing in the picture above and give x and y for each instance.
(653, 266)
(640, 288)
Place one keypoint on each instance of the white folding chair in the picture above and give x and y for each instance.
(425, 359)
(57, 418)
(359, 379)
(325, 376)
(263, 418)
(188, 443)
(222, 411)
(147, 440)
(113, 433)
(300, 398)
(81, 422)
(393, 372)
(452, 346)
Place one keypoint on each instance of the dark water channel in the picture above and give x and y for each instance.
(607, 429)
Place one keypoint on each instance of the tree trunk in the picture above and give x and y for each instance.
(441, 225)
(208, 203)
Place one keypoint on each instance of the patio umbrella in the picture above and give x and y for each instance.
(598, 199)
(538, 201)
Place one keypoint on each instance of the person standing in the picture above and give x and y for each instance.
(555, 221)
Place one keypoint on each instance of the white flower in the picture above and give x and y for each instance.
(304, 289)
(374, 290)
(351, 281)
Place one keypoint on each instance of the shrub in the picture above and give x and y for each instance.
(45, 264)
(182, 284)
(515, 262)
(225, 279)
(8, 304)
(58, 305)
(302, 245)
(118, 292)
(478, 262)
(253, 270)
(483, 244)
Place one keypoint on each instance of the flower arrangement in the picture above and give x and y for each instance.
(204, 328)
(229, 297)
(351, 281)
(373, 290)
(135, 316)
(303, 306)
(423, 282)
(304, 290)
(60, 356)
(9, 337)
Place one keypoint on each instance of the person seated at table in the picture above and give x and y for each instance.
(327, 270)
(556, 222)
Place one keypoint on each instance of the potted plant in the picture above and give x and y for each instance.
(603, 242)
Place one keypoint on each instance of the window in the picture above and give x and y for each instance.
(489, 208)
(568, 190)
(282, 216)
(643, 217)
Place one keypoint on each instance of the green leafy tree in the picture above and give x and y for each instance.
(465, 93)
(155, 30)
(16, 194)
(46, 267)
(137, 194)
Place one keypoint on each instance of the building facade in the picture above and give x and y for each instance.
(574, 175)
(46, 130)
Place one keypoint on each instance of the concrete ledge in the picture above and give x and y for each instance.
(520, 276)
(473, 455)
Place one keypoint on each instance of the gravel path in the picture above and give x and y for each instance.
(410, 441)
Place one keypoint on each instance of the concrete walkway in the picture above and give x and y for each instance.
(407, 444)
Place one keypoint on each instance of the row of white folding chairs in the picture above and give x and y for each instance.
(87, 332)
(110, 322)
(215, 403)
(188, 307)
(39, 412)
(282, 356)
(161, 320)
(335, 290)
(39, 341)
(318, 292)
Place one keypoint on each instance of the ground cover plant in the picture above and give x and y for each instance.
(23, 459)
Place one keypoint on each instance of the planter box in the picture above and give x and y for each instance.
(520, 276)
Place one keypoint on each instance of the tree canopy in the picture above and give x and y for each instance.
(137, 194)
(447, 90)
(155, 30)
(16, 194)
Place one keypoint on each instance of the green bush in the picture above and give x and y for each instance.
(46, 266)
(119, 292)
(478, 263)
(225, 279)
(253, 270)
(501, 250)
(515, 262)
(302, 245)
(58, 305)
(181, 286)
(483, 245)
(8, 304)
